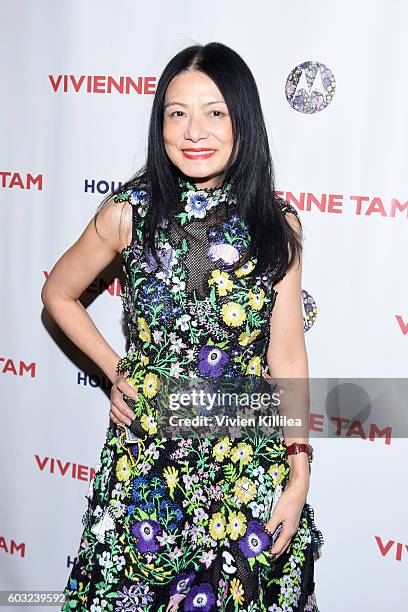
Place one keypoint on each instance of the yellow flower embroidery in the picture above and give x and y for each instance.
(123, 468)
(237, 525)
(237, 591)
(217, 526)
(233, 314)
(277, 472)
(245, 269)
(254, 366)
(245, 338)
(148, 423)
(245, 489)
(242, 452)
(171, 475)
(222, 280)
(222, 448)
(150, 384)
(144, 331)
(256, 300)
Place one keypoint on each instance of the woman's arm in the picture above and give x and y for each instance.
(76, 269)
(287, 359)
(287, 356)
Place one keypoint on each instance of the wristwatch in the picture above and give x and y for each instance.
(300, 447)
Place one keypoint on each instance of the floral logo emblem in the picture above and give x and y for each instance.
(310, 87)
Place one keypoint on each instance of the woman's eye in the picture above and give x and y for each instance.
(179, 113)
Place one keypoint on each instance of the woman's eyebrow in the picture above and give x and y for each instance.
(185, 105)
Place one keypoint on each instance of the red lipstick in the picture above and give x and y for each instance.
(195, 153)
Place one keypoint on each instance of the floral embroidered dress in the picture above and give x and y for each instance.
(177, 523)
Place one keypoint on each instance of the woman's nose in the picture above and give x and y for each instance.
(195, 128)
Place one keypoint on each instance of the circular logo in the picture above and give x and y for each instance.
(310, 87)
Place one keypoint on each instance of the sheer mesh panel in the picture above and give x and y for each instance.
(197, 262)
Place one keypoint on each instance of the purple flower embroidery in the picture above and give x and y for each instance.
(145, 531)
(135, 450)
(212, 359)
(136, 595)
(139, 195)
(197, 204)
(254, 541)
(228, 253)
(164, 256)
(151, 263)
(182, 583)
(200, 597)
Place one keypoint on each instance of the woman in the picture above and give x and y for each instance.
(194, 522)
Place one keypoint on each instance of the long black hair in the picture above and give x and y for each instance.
(250, 166)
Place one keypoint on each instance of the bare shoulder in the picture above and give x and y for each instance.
(114, 222)
(125, 209)
(293, 220)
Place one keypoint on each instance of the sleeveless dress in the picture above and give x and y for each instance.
(177, 523)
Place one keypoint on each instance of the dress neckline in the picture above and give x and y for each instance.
(196, 202)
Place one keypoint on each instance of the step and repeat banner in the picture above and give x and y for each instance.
(78, 81)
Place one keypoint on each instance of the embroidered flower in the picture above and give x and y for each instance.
(236, 525)
(277, 471)
(145, 532)
(254, 366)
(148, 423)
(136, 596)
(199, 201)
(256, 300)
(228, 253)
(150, 384)
(245, 269)
(221, 448)
(197, 204)
(211, 360)
(138, 195)
(207, 557)
(247, 338)
(255, 541)
(171, 475)
(243, 452)
(123, 468)
(237, 591)
(178, 285)
(222, 281)
(200, 598)
(144, 331)
(182, 583)
(233, 314)
(217, 526)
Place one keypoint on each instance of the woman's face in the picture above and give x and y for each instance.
(197, 128)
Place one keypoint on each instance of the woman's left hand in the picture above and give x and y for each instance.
(287, 512)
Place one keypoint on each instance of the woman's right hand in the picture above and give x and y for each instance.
(119, 410)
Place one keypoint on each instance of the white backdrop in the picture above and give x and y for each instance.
(54, 415)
